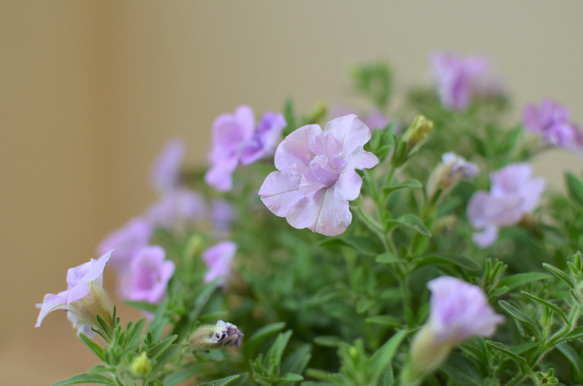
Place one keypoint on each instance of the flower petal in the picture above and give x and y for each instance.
(351, 132)
(279, 191)
(293, 153)
(325, 212)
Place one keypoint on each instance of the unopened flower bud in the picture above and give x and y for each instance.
(208, 337)
(448, 173)
(141, 366)
(417, 133)
(318, 113)
(445, 225)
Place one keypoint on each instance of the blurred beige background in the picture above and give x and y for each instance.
(90, 91)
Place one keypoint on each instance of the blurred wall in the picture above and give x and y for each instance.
(90, 91)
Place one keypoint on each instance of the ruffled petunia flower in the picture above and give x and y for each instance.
(223, 334)
(219, 258)
(317, 176)
(148, 276)
(177, 210)
(165, 172)
(236, 141)
(460, 79)
(125, 242)
(551, 121)
(448, 172)
(512, 195)
(458, 312)
(84, 299)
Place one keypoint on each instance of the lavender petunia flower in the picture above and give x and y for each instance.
(222, 215)
(223, 334)
(178, 210)
(374, 119)
(236, 140)
(219, 258)
(551, 121)
(125, 242)
(165, 172)
(459, 79)
(512, 195)
(317, 176)
(459, 311)
(148, 276)
(83, 299)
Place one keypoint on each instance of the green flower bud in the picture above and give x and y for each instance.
(141, 366)
(417, 133)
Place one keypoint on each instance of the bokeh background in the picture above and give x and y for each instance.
(91, 90)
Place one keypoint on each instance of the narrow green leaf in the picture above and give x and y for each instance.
(411, 184)
(521, 317)
(85, 378)
(388, 258)
(144, 306)
(574, 188)
(575, 334)
(96, 348)
(364, 245)
(548, 304)
(275, 352)
(519, 279)
(460, 261)
(328, 341)
(385, 320)
(520, 361)
(159, 348)
(571, 354)
(222, 381)
(297, 361)
(560, 274)
(410, 221)
(384, 355)
(181, 375)
(262, 334)
(289, 377)
(165, 357)
(135, 334)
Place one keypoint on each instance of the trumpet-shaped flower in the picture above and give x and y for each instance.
(219, 258)
(459, 79)
(84, 299)
(148, 276)
(512, 195)
(551, 121)
(317, 176)
(458, 312)
(125, 242)
(236, 140)
(177, 210)
(165, 172)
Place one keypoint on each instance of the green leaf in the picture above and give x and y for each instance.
(520, 361)
(388, 258)
(262, 334)
(275, 352)
(144, 306)
(411, 184)
(575, 334)
(521, 317)
(519, 279)
(384, 320)
(297, 361)
(222, 381)
(85, 378)
(364, 245)
(165, 357)
(547, 304)
(560, 274)
(410, 221)
(289, 377)
(289, 114)
(97, 349)
(181, 375)
(384, 355)
(574, 188)
(135, 332)
(328, 341)
(460, 261)
(571, 354)
(159, 348)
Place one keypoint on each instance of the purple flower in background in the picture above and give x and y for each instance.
(177, 210)
(236, 140)
(83, 299)
(460, 310)
(512, 195)
(459, 79)
(125, 242)
(317, 176)
(165, 172)
(374, 119)
(551, 121)
(219, 258)
(148, 276)
(222, 215)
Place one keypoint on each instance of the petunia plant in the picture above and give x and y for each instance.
(405, 246)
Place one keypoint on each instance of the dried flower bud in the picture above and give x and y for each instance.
(223, 334)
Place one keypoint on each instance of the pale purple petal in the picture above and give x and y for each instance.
(350, 132)
(293, 153)
(79, 278)
(348, 184)
(165, 172)
(220, 175)
(279, 191)
(486, 237)
(126, 241)
(178, 210)
(265, 139)
(51, 302)
(219, 258)
(324, 213)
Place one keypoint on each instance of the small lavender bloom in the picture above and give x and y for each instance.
(148, 276)
(219, 258)
(177, 210)
(317, 176)
(83, 299)
(374, 119)
(165, 172)
(222, 215)
(125, 242)
(448, 173)
(512, 195)
(551, 121)
(223, 334)
(235, 140)
(459, 79)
